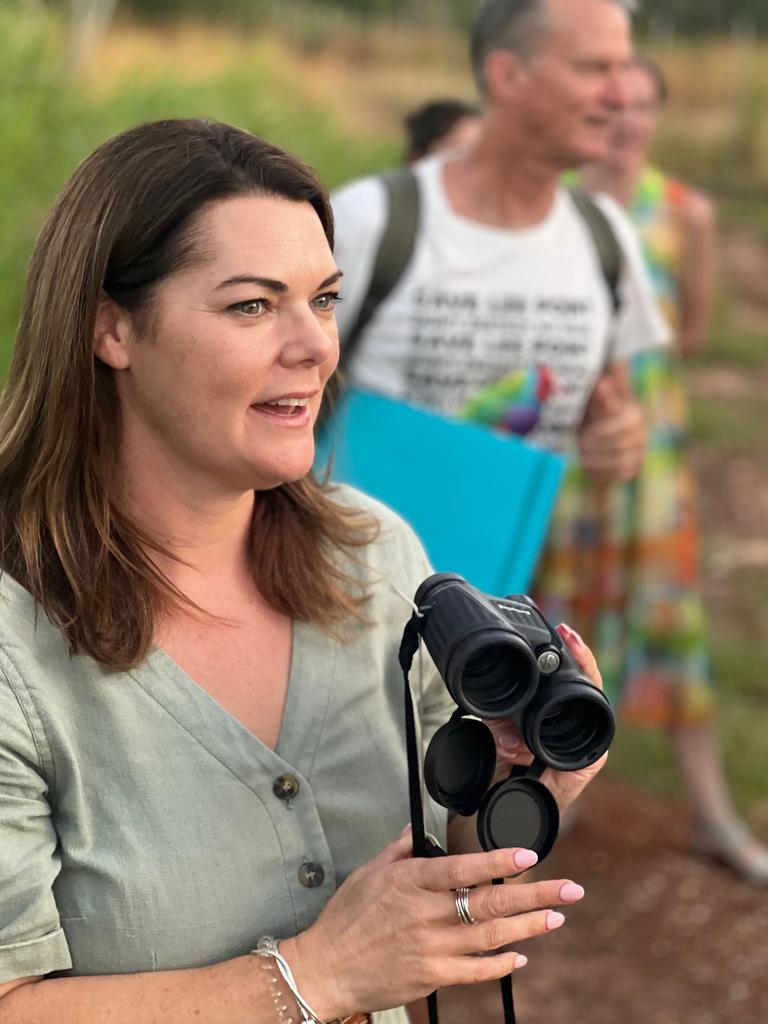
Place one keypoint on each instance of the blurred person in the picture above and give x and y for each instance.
(440, 125)
(504, 282)
(625, 565)
(201, 735)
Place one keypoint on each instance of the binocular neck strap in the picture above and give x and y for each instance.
(422, 847)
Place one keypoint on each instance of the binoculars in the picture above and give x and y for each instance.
(500, 658)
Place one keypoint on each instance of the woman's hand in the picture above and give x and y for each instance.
(511, 750)
(392, 934)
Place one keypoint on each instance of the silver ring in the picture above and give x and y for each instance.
(462, 906)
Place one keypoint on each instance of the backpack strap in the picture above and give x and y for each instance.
(394, 252)
(399, 237)
(608, 247)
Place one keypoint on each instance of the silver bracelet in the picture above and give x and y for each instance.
(267, 947)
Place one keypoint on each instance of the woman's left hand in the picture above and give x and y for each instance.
(511, 750)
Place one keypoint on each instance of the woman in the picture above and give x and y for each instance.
(440, 125)
(636, 596)
(200, 733)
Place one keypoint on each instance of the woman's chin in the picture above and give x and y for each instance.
(267, 478)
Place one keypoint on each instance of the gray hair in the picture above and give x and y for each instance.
(516, 25)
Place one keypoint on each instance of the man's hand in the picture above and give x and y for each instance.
(612, 437)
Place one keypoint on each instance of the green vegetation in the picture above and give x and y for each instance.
(702, 17)
(49, 122)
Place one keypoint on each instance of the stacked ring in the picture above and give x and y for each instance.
(462, 906)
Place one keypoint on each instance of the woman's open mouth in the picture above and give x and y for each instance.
(293, 411)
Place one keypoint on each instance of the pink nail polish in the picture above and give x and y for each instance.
(570, 634)
(525, 859)
(554, 920)
(571, 892)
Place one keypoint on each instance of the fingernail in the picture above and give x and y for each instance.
(509, 740)
(571, 892)
(570, 634)
(406, 831)
(520, 961)
(525, 858)
(554, 920)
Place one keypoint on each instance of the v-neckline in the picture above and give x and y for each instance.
(312, 664)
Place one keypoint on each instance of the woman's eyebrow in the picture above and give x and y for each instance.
(269, 283)
(331, 280)
(263, 282)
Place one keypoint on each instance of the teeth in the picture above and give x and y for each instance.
(289, 401)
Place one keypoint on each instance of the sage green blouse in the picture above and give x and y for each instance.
(143, 828)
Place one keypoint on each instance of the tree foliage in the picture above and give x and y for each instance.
(699, 17)
(683, 17)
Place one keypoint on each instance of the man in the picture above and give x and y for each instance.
(505, 279)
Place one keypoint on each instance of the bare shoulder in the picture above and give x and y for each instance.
(698, 213)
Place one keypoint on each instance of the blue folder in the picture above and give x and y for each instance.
(481, 502)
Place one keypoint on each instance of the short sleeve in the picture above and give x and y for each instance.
(408, 567)
(32, 941)
(359, 212)
(640, 325)
(435, 704)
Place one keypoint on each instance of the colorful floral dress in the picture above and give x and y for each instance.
(621, 565)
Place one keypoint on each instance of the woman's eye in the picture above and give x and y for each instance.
(251, 307)
(327, 301)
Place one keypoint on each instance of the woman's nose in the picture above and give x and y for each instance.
(308, 340)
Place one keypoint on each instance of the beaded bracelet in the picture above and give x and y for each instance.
(284, 1015)
(267, 949)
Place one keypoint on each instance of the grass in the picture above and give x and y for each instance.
(731, 425)
(49, 121)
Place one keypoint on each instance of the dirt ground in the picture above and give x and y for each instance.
(666, 938)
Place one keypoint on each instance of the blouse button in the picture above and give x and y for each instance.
(285, 787)
(311, 875)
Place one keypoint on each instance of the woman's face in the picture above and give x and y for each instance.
(225, 390)
(633, 129)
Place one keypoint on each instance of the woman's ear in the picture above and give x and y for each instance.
(112, 333)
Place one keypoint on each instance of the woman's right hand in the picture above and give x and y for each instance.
(391, 934)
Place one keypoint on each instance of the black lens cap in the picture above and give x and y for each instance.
(459, 764)
(518, 812)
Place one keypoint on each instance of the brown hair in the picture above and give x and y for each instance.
(124, 222)
(428, 123)
(654, 72)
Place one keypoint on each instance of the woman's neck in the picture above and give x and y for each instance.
(617, 181)
(206, 532)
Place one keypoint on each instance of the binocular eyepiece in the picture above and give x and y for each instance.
(500, 658)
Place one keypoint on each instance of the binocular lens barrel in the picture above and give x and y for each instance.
(573, 732)
(496, 678)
